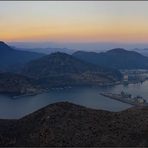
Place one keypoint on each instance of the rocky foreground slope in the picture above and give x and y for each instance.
(66, 124)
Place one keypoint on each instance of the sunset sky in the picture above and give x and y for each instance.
(74, 21)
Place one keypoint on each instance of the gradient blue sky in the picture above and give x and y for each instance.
(74, 21)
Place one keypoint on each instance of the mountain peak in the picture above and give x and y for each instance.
(4, 46)
(58, 53)
(12, 59)
(1, 42)
(117, 50)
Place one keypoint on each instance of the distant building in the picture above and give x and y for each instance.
(125, 77)
(140, 100)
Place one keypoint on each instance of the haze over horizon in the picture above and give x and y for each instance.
(82, 25)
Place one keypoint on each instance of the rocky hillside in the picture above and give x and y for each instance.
(66, 124)
(15, 84)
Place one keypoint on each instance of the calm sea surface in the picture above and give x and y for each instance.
(86, 96)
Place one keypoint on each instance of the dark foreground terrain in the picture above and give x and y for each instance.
(66, 124)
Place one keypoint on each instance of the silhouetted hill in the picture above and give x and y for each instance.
(12, 60)
(63, 69)
(116, 58)
(48, 50)
(67, 125)
(118, 51)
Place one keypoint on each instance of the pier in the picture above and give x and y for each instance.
(126, 98)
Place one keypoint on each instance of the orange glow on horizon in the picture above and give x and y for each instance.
(74, 21)
(77, 33)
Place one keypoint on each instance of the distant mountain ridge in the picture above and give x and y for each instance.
(116, 58)
(54, 70)
(48, 50)
(61, 68)
(11, 59)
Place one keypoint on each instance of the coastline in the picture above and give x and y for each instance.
(60, 88)
(124, 100)
(70, 86)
